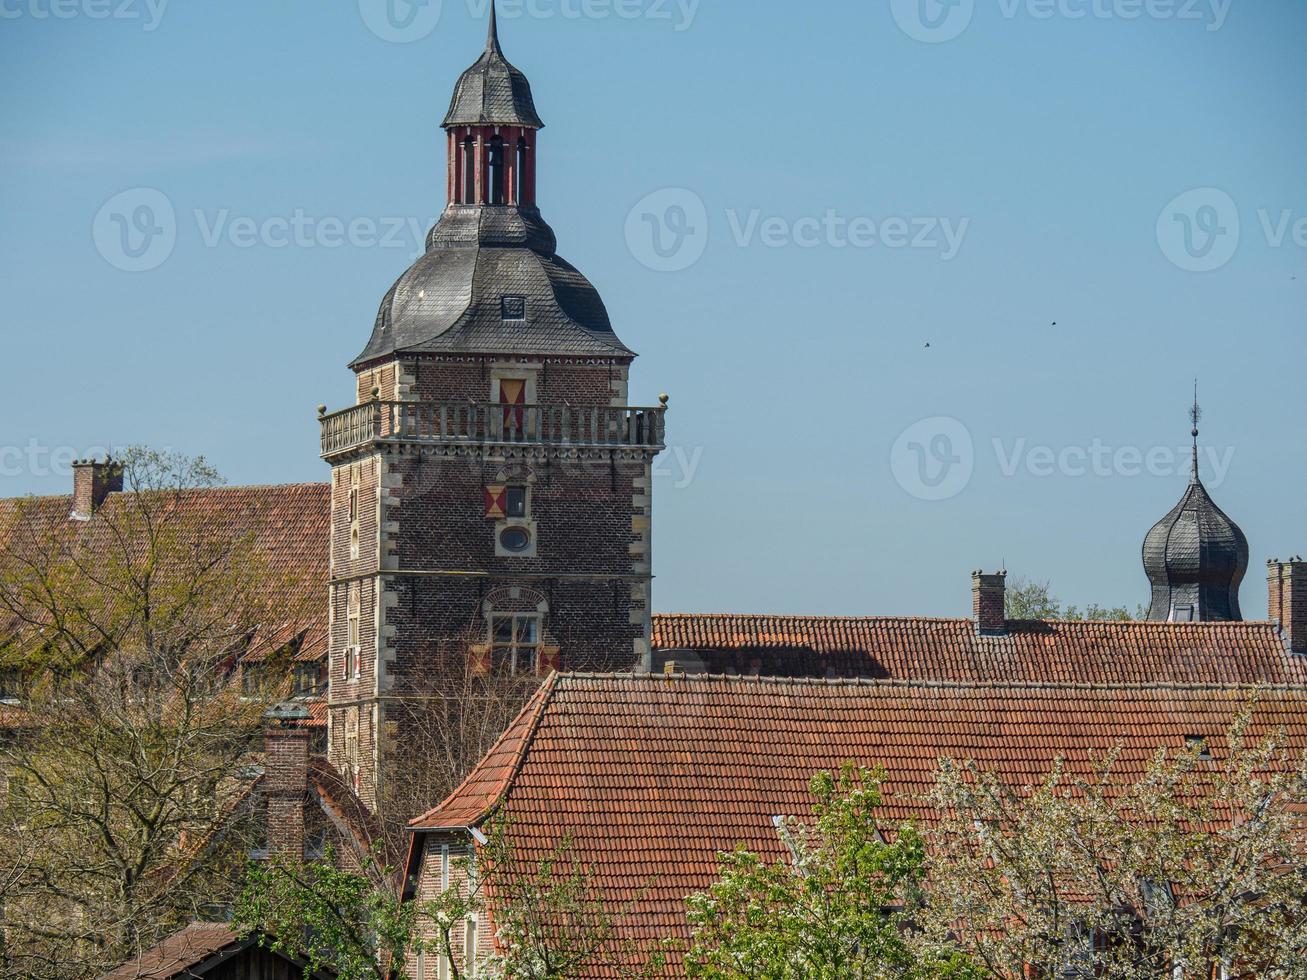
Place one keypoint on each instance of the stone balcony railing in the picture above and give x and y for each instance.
(491, 424)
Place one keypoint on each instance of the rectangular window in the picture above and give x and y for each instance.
(354, 637)
(470, 948)
(513, 308)
(253, 679)
(514, 643)
(421, 965)
(354, 512)
(308, 680)
(515, 502)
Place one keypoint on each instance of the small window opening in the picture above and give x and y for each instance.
(495, 170)
(513, 308)
(1197, 744)
(519, 173)
(514, 642)
(515, 502)
(469, 171)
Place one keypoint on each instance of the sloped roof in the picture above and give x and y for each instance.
(189, 952)
(492, 91)
(1196, 556)
(911, 648)
(653, 776)
(287, 525)
(177, 955)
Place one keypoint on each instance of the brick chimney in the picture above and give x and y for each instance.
(93, 481)
(988, 603)
(286, 779)
(1287, 583)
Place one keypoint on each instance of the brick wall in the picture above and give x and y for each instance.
(1287, 582)
(285, 784)
(426, 573)
(444, 862)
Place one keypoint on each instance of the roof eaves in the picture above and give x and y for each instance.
(530, 716)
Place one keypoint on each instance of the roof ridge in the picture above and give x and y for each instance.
(855, 682)
(534, 708)
(818, 618)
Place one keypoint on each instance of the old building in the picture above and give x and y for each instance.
(207, 951)
(491, 489)
(652, 776)
(489, 513)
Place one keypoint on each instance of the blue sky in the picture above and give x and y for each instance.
(834, 186)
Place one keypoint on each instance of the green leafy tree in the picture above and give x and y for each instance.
(552, 919)
(1034, 601)
(333, 918)
(839, 905)
(123, 815)
(1197, 866)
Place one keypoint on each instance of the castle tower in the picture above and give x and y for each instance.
(1196, 557)
(491, 487)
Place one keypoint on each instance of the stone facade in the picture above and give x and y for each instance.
(418, 563)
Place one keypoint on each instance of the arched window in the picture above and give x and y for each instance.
(519, 173)
(469, 171)
(495, 170)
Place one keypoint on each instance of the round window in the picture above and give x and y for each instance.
(514, 539)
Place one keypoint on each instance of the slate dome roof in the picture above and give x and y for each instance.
(491, 280)
(1196, 558)
(492, 91)
(463, 295)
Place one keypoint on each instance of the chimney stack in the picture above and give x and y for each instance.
(1287, 583)
(989, 602)
(93, 481)
(286, 779)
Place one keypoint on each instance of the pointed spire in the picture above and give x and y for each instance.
(1195, 416)
(492, 35)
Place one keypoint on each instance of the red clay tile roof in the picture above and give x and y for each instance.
(653, 776)
(288, 525)
(951, 650)
(199, 946)
(176, 955)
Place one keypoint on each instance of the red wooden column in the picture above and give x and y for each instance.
(529, 178)
(451, 170)
(480, 165)
(510, 134)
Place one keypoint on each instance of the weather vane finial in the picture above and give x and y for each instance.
(1195, 416)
